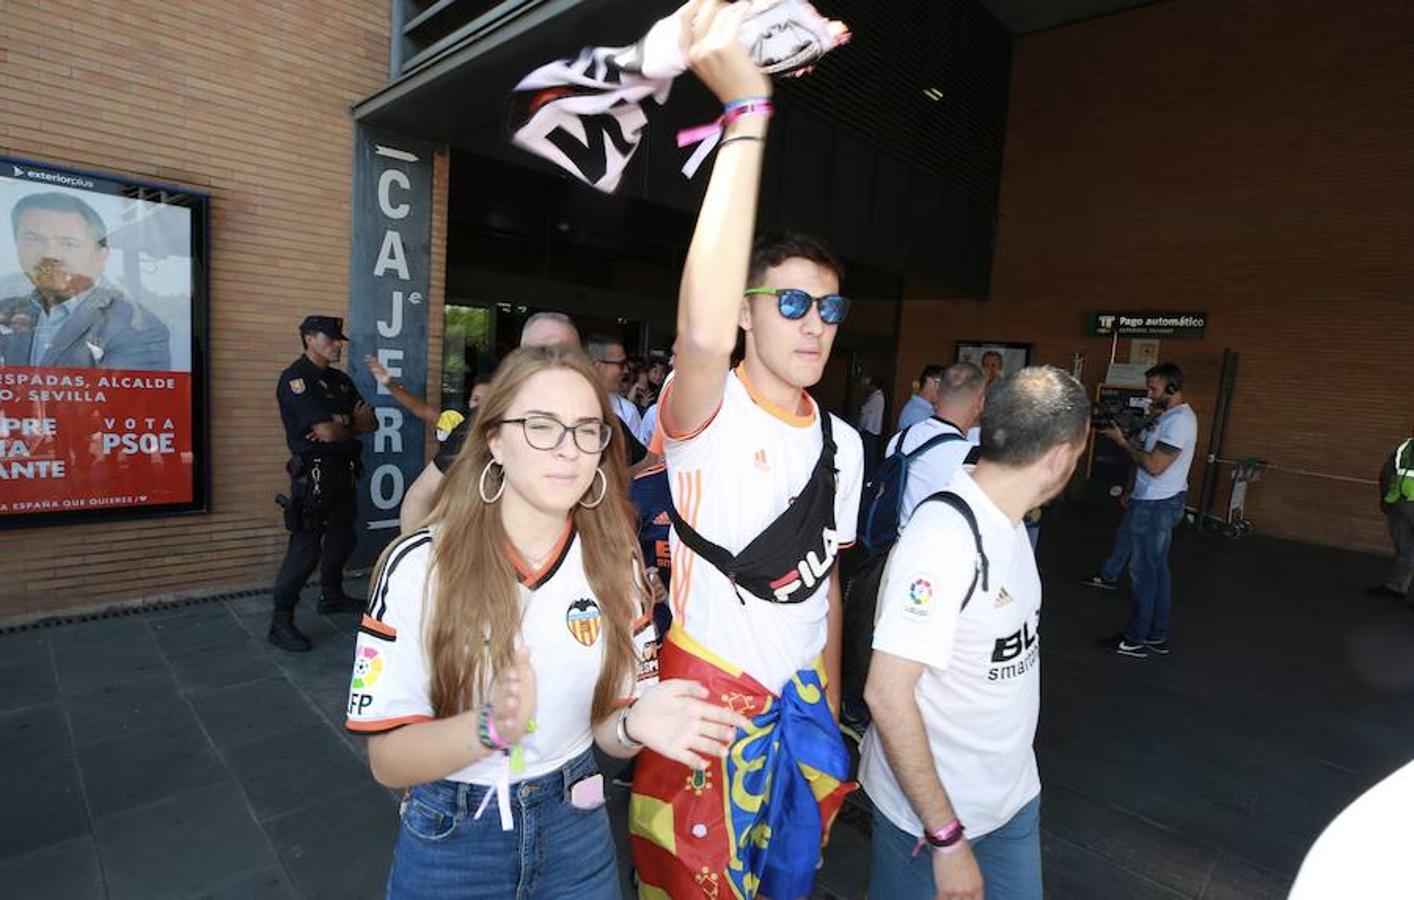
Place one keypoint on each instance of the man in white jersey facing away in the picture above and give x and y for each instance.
(954, 685)
(765, 488)
(959, 395)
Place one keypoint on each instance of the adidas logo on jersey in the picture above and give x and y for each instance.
(1003, 598)
(662, 519)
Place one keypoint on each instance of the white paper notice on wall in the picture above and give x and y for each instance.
(1144, 352)
(1126, 375)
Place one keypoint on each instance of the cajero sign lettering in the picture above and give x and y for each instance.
(389, 282)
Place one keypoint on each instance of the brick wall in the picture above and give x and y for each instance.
(248, 102)
(1250, 158)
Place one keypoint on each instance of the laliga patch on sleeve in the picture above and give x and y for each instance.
(918, 599)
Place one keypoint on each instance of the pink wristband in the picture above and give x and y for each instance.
(945, 834)
(709, 135)
(491, 731)
(948, 839)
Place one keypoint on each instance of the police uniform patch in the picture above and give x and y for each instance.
(583, 619)
(297, 385)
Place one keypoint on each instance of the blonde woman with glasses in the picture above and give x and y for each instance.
(510, 635)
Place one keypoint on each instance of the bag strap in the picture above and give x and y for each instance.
(718, 556)
(906, 461)
(827, 437)
(980, 568)
(927, 445)
(715, 554)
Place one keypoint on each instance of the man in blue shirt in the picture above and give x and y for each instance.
(920, 405)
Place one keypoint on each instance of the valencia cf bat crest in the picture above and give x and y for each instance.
(583, 619)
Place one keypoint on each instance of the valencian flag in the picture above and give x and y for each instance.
(755, 822)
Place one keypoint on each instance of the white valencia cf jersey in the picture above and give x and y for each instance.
(980, 693)
(732, 479)
(562, 625)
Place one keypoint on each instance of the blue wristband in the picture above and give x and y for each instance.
(744, 101)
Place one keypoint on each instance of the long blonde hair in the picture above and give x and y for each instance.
(476, 584)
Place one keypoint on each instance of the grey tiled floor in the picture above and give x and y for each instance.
(174, 754)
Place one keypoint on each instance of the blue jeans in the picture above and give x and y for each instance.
(1119, 556)
(555, 850)
(1151, 524)
(1010, 860)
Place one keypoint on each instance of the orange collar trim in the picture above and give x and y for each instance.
(531, 578)
(797, 418)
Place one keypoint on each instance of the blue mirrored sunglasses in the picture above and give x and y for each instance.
(795, 303)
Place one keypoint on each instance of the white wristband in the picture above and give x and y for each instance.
(621, 730)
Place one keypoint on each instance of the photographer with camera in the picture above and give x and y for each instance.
(1107, 579)
(1163, 456)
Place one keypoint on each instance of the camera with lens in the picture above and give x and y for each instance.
(1117, 411)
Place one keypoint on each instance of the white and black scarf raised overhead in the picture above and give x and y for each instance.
(587, 114)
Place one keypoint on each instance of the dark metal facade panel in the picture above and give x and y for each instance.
(891, 149)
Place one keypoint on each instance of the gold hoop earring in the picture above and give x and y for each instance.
(603, 490)
(481, 485)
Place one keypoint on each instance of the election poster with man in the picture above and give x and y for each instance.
(102, 302)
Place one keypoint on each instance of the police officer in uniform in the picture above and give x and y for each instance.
(323, 415)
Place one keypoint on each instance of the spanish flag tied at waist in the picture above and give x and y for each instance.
(753, 823)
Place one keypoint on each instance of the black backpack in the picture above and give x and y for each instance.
(861, 600)
(880, 514)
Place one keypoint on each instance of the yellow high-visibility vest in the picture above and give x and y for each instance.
(1401, 487)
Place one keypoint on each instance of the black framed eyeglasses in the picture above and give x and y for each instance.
(794, 303)
(548, 433)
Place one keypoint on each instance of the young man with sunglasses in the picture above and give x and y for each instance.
(765, 488)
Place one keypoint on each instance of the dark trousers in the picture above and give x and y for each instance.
(332, 543)
(1401, 529)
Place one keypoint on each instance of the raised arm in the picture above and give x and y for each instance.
(406, 398)
(714, 275)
